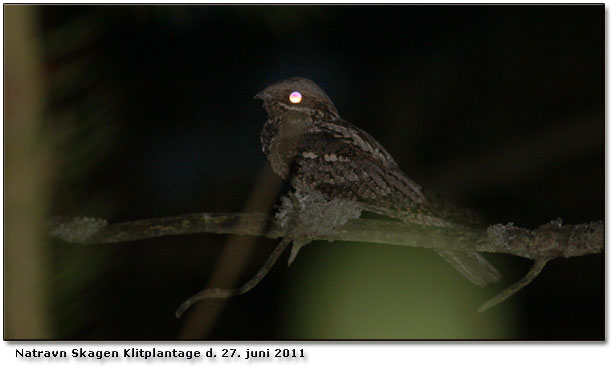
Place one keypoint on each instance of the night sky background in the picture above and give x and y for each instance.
(150, 113)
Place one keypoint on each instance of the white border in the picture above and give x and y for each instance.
(372, 353)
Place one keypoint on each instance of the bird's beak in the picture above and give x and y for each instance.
(263, 95)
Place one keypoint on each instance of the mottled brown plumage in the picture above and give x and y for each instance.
(314, 149)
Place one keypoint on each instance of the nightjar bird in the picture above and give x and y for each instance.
(309, 145)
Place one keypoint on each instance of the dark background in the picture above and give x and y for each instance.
(150, 111)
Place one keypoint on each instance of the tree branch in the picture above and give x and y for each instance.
(549, 241)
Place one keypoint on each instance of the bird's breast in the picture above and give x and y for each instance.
(281, 140)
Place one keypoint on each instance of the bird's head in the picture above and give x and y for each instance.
(298, 95)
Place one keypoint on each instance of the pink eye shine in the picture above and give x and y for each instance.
(295, 97)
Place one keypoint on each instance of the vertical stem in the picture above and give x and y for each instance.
(234, 257)
(25, 184)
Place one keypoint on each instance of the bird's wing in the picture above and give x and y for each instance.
(342, 168)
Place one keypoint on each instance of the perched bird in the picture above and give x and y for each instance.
(309, 145)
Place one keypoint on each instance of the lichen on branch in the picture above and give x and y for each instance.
(547, 242)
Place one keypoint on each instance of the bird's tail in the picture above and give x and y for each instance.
(472, 265)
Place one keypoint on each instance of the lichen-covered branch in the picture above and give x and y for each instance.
(552, 240)
(547, 242)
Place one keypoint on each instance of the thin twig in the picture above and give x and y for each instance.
(535, 270)
(224, 293)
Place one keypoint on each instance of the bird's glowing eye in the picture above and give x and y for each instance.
(295, 97)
